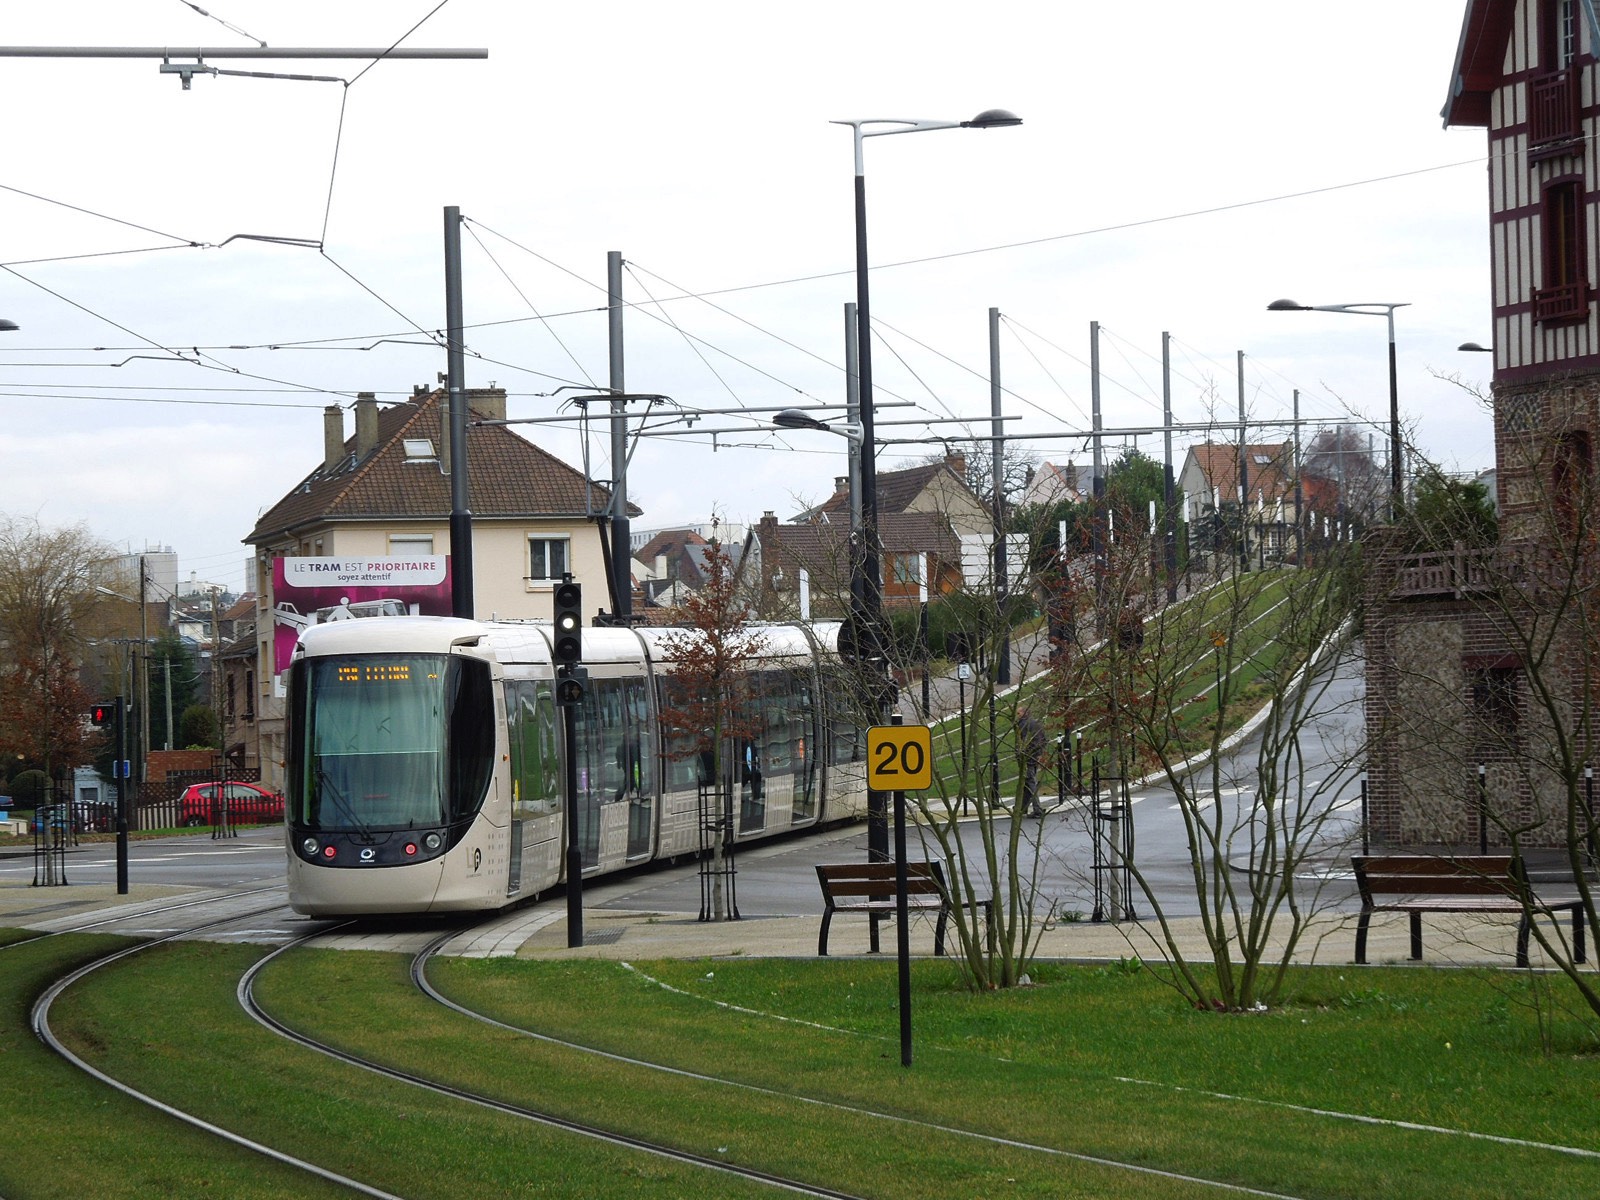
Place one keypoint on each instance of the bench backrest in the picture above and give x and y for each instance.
(1427, 875)
(877, 879)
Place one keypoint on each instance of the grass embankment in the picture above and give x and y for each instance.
(1102, 1062)
(1197, 683)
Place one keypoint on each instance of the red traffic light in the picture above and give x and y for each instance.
(104, 714)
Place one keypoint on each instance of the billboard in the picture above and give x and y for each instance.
(312, 591)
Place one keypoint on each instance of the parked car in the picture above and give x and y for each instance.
(88, 816)
(247, 804)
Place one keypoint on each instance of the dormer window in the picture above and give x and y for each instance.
(419, 449)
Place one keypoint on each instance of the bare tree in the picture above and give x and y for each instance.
(1161, 695)
(49, 599)
(709, 711)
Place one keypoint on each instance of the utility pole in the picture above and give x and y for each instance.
(1002, 673)
(455, 368)
(621, 536)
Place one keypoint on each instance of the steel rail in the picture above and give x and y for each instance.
(610, 1137)
(41, 1027)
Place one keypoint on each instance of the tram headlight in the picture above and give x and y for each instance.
(310, 847)
(431, 843)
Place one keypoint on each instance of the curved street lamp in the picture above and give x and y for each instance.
(8, 326)
(1397, 494)
(866, 583)
(796, 418)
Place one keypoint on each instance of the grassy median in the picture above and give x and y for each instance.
(1092, 1063)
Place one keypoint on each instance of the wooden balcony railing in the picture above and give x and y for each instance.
(1536, 572)
(1553, 108)
(1450, 574)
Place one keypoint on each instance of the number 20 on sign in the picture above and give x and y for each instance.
(899, 758)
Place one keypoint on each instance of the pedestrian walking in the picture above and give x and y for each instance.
(1031, 746)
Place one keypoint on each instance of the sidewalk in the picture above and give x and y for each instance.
(638, 934)
(1329, 941)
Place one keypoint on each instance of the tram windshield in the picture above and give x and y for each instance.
(399, 741)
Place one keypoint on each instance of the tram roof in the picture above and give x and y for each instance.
(529, 641)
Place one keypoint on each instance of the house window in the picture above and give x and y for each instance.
(907, 569)
(1570, 482)
(547, 559)
(413, 544)
(1553, 113)
(1564, 296)
(1494, 701)
(249, 695)
(1558, 20)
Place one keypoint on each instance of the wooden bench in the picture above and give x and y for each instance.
(1417, 884)
(869, 887)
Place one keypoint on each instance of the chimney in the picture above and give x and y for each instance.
(332, 437)
(768, 526)
(488, 403)
(366, 425)
(841, 483)
(957, 462)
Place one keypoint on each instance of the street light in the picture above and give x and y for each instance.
(866, 584)
(1474, 348)
(795, 418)
(8, 326)
(1397, 495)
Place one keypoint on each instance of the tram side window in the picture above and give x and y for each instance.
(684, 766)
(847, 733)
(599, 721)
(636, 756)
(782, 701)
(469, 699)
(535, 761)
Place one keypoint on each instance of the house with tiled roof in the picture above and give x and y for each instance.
(386, 492)
(775, 555)
(1050, 484)
(1219, 479)
(937, 487)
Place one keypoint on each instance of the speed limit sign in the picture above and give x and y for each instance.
(899, 758)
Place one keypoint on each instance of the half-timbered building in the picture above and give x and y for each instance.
(1481, 661)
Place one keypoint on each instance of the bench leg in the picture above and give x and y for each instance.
(872, 920)
(1416, 937)
(822, 940)
(1361, 936)
(1524, 928)
(1578, 934)
(938, 932)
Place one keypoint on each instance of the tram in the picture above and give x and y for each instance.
(426, 757)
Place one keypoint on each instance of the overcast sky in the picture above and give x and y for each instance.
(1180, 166)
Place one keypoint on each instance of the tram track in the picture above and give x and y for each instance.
(419, 979)
(40, 1020)
(549, 1120)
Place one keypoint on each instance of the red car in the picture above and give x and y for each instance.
(246, 804)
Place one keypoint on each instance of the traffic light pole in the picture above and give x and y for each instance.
(569, 720)
(120, 770)
(567, 648)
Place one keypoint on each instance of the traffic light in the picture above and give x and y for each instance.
(569, 622)
(104, 713)
(570, 685)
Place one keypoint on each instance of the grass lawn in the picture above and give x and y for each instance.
(1090, 1068)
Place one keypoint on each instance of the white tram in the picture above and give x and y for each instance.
(426, 759)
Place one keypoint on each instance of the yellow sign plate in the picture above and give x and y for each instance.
(899, 758)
